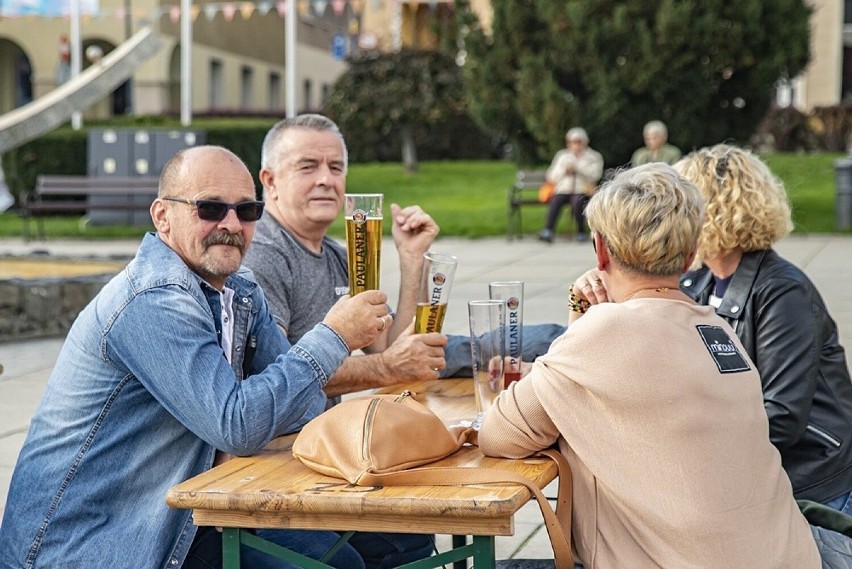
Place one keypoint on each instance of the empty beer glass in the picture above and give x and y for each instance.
(512, 293)
(436, 280)
(363, 223)
(487, 351)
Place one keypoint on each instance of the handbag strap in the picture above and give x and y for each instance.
(558, 524)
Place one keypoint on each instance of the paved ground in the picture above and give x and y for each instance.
(547, 270)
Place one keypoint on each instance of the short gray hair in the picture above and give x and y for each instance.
(268, 152)
(650, 218)
(656, 126)
(577, 132)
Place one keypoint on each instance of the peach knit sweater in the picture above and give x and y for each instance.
(671, 459)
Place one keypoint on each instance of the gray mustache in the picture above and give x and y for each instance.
(224, 238)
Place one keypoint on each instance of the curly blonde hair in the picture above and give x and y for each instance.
(746, 204)
(650, 218)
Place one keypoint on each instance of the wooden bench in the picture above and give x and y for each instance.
(82, 194)
(524, 192)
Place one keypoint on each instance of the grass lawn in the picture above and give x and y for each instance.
(810, 183)
(468, 198)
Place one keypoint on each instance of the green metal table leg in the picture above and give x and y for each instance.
(230, 548)
(459, 541)
(483, 552)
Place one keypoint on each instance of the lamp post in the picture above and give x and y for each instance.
(185, 62)
(290, 57)
(76, 56)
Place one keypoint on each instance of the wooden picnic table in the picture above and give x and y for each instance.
(274, 490)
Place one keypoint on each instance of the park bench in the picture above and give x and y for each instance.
(82, 194)
(523, 192)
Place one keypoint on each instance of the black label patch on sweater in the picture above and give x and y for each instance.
(722, 349)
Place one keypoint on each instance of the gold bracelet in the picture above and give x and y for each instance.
(577, 304)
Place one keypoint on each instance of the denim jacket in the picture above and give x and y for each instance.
(140, 399)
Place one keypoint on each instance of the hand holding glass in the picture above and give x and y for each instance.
(436, 280)
(363, 224)
(488, 348)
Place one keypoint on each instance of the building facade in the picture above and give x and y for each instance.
(238, 54)
(238, 50)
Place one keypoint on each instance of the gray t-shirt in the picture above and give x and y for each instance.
(300, 285)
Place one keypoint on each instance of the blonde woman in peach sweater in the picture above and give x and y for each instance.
(655, 404)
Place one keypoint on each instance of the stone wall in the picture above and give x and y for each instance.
(39, 308)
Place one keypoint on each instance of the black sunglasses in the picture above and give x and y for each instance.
(215, 210)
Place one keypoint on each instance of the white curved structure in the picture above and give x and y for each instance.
(99, 80)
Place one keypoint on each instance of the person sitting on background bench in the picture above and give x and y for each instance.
(656, 147)
(575, 172)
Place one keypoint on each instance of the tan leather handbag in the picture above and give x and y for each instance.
(384, 440)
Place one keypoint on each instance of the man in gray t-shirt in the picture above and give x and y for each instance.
(300, 284)
(303, 272)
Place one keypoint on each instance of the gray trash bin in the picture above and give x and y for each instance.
(843, 177)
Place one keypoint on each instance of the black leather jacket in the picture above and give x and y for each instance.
(785, 327)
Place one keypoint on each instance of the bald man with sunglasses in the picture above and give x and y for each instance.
(176, 361)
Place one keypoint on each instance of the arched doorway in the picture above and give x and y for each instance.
(16, 76)
(174, 81)
(118, 103)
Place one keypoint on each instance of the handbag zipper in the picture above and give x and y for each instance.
(823, 435)
(367, 430)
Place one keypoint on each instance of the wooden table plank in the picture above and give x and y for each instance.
(273, 489)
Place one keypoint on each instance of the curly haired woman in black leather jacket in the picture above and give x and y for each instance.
(778, 315)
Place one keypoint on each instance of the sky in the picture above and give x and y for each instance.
(45, 7)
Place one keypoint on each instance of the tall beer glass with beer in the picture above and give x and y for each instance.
(487, 351)
(512, 293)
(363, 223)
(436, 280)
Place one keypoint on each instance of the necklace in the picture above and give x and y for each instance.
(660, 289)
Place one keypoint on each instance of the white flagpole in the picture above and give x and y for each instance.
(185, 62)
(290, 57)
(76, 56)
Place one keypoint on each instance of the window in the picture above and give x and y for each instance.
(274, 91)
(307, 95)
(217, 86)
(246, 80)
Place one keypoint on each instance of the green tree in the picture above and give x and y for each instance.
(707, 68)
(387, 96)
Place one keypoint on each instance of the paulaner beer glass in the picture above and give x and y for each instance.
(363, 221)
(512, 293)
(487, 351)
(436, 280)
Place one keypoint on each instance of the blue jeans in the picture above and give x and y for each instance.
(835, 549)
(842, 503)
(364, 550)
(536, 341)
(386, 550)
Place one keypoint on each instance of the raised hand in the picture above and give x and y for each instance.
(591, 288)
(413, 230)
